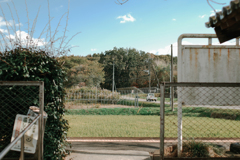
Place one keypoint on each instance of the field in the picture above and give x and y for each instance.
(149, 126)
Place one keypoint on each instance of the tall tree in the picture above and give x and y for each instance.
(128, 65)
(84, 70)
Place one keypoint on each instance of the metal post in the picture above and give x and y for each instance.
(113, 79)
(149, 76)
(162, 110)
(171, 79)
(179, 122)
(137, 98)
(96, 95)
(237, 41)
(135, 104)
(41, 124)
(209, 41)
(22, 148)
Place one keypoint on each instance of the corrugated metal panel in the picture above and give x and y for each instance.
(226, 12)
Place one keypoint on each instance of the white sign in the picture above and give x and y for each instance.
(30, 137)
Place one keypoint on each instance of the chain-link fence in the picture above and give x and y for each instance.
(204, 123)
(16, 98)
(83, 98)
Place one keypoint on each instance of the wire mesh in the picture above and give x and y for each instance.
(14, 100)
(83, 98)
(205, 121)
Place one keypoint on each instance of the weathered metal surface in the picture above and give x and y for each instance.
(211, 158)
(41, 124)
(162, 115)
(208, 63)
(180, 137)
(202, 84)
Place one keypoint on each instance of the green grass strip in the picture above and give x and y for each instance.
(187, 112)
(149, 126)
(114, 111)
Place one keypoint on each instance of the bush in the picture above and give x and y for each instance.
(28, 65)
(192, 148)
(195, 149)
(90, 94)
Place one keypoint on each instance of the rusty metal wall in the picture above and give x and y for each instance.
(208, 63)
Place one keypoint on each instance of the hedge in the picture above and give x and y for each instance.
(29, 65)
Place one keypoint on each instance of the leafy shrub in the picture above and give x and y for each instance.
(28, 65)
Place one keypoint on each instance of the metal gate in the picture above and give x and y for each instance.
(16, 98)
(201, 128)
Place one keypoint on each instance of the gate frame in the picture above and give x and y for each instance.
(40, 84)
(162, 114)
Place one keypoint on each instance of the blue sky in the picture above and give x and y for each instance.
(148, 25)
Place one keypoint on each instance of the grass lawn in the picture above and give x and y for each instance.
(148, 126)
(232, 114)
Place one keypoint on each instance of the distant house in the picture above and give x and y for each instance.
(226, 23)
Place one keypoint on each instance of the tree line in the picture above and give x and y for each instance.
(131, 68)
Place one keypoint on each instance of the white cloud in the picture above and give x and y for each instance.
(126, 18)
(202, 16)
(59, 7)
(18, 24)
(213, 12)
(8, 23)
(2, 1)
(26, 39)
(93, 49)
(174, 19)
(3, 30)
(167, 49)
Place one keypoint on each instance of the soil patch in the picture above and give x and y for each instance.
(89, 106)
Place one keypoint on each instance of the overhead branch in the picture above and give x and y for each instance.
(121, 3)
(214, 2)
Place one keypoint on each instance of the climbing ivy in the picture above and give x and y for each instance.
(29, 65)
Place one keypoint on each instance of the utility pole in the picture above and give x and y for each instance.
(149, 68)
(113, 80)
(171, 79)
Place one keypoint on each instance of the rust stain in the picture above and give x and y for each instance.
(215, 59)
(196, 58)
(214, 56)
(228, 54)
(239, 53)
(209, 56)
(190, 58)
